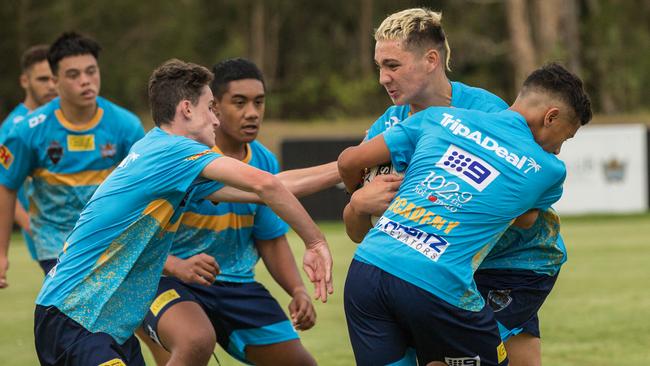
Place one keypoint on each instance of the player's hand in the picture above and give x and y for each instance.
(4, 266)
(317, 263)
(375, 197)
(201, 269)
(301, 310)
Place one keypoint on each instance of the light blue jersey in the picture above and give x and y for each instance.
(462, 96)
(468, 175)
(16, 116)
(227, 231)
(66, 162)
(537, 249)
(112, 260)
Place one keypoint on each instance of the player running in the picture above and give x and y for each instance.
(68, 147)
(100, 290)
(36, 81)
(411, 281)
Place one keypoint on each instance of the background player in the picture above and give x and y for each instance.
(36, 81)
(68, 147)
(523, 266)
(98, 293)
(234, 310)
(411, 282)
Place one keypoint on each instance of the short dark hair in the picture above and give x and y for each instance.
(172, 82)
(231, 70)
(560, 82)
(71, 44)
(33, 55)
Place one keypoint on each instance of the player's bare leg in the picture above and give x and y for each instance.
(436, 363)
(287, 353)
(160, 355)
(187, 332)
(524, 350)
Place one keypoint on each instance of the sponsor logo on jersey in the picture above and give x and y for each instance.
(501, 353)
(162, 300)
(420, 215)
(442, 191)
(468, 167)
(499, 299)
(133, 156)
(81, 142)
(55, 152)
(36, 120)
(486, 142)
(430, 245)
(18, 119)
(6, 157)
(196, 156)
(463, 361)
(108, 150)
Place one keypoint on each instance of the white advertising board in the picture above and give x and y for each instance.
(607, 170)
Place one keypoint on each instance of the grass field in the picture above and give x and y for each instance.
(598, 313)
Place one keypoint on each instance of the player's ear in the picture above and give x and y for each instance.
(551, 116)
(432, 58)
(24, 81)
(185, 108)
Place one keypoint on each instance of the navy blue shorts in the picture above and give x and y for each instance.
(61, 341)
(389, 317)
(515, 296)
(242, 314)
(47, 264)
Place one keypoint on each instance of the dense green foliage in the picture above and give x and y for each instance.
(317, 55)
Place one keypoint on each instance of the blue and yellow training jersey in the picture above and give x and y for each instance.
(227, 231)
(66, 162)
(468, 175)
(109, 269)
(16, 116)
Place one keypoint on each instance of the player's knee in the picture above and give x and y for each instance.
(198, 345)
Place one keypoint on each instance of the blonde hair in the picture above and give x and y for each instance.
(418, 27)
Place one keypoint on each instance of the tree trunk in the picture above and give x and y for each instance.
(547, 25)
(365, 37)
(257, 33)
(571, 24)
(521, 44)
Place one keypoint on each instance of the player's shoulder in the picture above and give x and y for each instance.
(118, 114)
(39, 120)
(471, 97)
(262, 157)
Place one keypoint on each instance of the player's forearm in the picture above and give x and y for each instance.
(21, 217)
(280, 263)
(7, 207)
(286, 205)
(349, 169)
(357, 224)
(232, 194)
(303, 182)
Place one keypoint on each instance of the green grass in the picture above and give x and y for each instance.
(598, 313)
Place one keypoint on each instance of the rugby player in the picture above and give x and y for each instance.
(411, 281)
(106, 278)
(68, 147)
(522, 268)
(229, 239)
(36, 81)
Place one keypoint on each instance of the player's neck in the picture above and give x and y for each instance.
(30, 103)
(78, 115)
(229, 147)
(437, 94)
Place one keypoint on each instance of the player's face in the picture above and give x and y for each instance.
(38, 83)
(203, 122)
(556, 131)
(241, 110)
(78, 80)
(403, 73)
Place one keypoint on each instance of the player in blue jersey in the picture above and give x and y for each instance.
(67, 146)
(106, 277)
(234, 310)
(468, 175)
(413, 83)
(36, 81)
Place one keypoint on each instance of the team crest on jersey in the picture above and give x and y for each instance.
(108, 150)
(6, 157)
(468, 167)
(55, 152)
(463, 361)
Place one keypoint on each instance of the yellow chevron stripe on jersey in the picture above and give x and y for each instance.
(218, 222)
(84, 178)
(79, 127)
(161, 210)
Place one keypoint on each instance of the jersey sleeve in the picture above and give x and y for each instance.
(377, 127)
(401, 140)
(191, 158)
(552, 195)
(16, 158)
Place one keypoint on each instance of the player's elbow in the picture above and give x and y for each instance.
(346, 161)
(266, 182)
